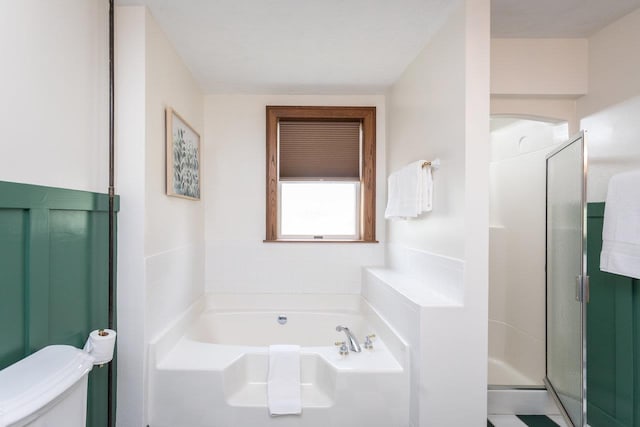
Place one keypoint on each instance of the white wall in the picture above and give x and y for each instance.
(613, 65)
(555, 67)
(440, 108)
(473, 326)
(161, 249)
(426, 121)
(237, 260)
(54, 84)
(130, 171)
(539, 78)
(174, 227)
(613, 143)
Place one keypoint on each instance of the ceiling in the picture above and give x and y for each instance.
(340, 46)
(297, 46)
(555, 18)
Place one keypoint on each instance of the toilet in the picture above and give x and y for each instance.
(46, 389)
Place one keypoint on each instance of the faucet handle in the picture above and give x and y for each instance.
(343, 350)
(368, 341)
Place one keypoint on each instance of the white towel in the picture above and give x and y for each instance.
(427, 188)
(283, 383)
(410, 191)
(621, 230)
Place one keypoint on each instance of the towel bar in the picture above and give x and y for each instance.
(434, 163)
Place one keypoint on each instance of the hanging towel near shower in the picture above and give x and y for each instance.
(283, 383)
(410, 191)
(621, 230)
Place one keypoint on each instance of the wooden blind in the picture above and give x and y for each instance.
(319, 149)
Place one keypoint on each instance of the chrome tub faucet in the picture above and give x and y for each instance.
(353, 341)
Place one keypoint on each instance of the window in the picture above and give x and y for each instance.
(320, 174)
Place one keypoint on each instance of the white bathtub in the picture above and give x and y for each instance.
(210, 368)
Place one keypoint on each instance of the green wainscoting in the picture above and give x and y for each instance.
(54, 276)
(613, 338)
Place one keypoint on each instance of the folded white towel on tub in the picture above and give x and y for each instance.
(621, 230)
(283, 383)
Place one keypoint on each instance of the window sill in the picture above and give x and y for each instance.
(319, 241)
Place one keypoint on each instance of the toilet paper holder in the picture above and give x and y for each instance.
(100, 345)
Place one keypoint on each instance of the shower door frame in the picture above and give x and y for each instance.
(582, 292)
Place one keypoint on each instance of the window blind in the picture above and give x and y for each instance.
(319, 149)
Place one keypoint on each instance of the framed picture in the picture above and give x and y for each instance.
(183, 158)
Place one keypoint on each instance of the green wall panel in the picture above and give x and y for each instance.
(12, 290)
(54, 282)
(69, 271)
(613, 340)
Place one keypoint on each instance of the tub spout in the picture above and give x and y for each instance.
(353, 341)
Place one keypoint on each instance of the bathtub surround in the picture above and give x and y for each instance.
(161, 255)
(167, 273)
(218, 355)
(439, 274)
(408, 292)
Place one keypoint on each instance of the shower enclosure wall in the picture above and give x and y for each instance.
(517, 249)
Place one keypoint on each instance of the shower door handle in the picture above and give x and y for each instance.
(582, 288)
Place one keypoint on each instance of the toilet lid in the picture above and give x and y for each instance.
(33, 382)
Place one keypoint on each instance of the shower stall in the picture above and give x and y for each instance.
(519, 147)
(538, 281)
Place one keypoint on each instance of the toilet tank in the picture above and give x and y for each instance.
(46, 389)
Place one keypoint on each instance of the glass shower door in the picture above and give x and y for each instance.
(567, 287)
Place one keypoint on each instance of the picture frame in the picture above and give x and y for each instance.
(183, 158)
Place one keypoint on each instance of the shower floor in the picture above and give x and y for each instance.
(502, 373)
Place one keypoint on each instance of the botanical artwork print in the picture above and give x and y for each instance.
(186, 164)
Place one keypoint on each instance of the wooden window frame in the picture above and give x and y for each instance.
(367, 116)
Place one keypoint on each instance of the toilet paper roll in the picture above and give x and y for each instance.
(100, 345)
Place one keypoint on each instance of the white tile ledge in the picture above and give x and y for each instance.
(412, 289)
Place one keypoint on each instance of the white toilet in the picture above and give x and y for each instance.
(46, 389)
